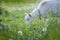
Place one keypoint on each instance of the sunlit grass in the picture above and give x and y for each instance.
(14, 20)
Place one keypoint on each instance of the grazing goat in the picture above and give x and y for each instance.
(43, 10)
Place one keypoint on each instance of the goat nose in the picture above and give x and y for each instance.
(27, 19)
(27, 23)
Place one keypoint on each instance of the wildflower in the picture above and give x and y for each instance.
(19, 32)
(44, 29)
(10, 39)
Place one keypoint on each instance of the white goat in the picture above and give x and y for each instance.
(43, 10)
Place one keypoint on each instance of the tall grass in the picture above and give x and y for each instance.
(21, 1)
(14, 21)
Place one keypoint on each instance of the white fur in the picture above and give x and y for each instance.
(44, 7)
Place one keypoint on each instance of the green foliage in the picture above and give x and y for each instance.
(20, 1)
(15, 22)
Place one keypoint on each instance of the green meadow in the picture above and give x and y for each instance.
(12, 13)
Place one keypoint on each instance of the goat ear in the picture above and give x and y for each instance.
(30, 15)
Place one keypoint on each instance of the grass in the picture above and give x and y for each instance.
(20, 1)
(14, 20)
